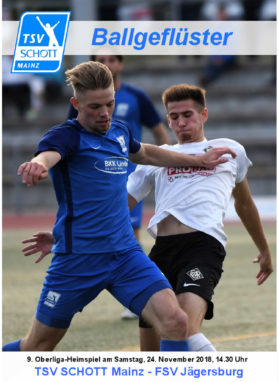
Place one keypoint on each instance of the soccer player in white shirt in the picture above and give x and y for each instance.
(190, 205)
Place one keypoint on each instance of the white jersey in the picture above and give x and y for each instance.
(197, 197)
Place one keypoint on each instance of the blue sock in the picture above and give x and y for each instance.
(169, 345)
(12, 346)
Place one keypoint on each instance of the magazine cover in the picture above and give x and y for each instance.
(139, 190)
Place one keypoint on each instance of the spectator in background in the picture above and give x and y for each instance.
(107, 10)
(136, 11)
(251, 9)
(53, 85)
(24, 90)
(220, 10)
(190, 10)
(267, 12)
(233, 10)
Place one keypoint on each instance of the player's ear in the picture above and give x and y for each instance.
(205, 115)
(74, 102)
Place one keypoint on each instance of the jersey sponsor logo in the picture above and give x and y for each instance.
(52, 298)
(41, 40)
(112, 165)
(189, 284)
(121, 141)
(188, 172)
(195, 274)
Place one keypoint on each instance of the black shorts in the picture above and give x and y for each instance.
(192, 262)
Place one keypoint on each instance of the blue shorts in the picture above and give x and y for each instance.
(136, 215)
(75, 280)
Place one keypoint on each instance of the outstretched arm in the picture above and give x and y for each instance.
(157, 156)
(248, 213)
(42, 242)
(38, 167)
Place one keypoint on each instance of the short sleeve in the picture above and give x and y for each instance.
(64, 139)
(243, 163)
(134, 145)
(141, 182)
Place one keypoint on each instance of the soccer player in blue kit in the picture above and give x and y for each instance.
(95, 247)
(133, 106)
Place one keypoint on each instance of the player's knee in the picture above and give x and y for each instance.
(175, 325)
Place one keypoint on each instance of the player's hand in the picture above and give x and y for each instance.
(32, 172)
(265, 267)
(42, 242)
(215, 156)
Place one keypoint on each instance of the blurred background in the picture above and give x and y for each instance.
(241, 90)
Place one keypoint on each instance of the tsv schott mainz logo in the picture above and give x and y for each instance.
(41, 40)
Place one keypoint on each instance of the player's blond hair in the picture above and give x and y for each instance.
(89, 76)
(183, 92)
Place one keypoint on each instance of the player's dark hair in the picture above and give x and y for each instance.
(183, 92)
(89, 76)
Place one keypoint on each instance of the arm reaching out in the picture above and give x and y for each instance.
(157, 156)
(38, 167)
(214, 157)
(43, 242)
(248, 213)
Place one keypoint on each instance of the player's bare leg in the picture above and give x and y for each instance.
(195, 307)
(41, 337)
(162, 311)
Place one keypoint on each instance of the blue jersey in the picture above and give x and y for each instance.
(133, 106)
(90, 186)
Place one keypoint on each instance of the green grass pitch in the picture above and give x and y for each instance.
(244, 316)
